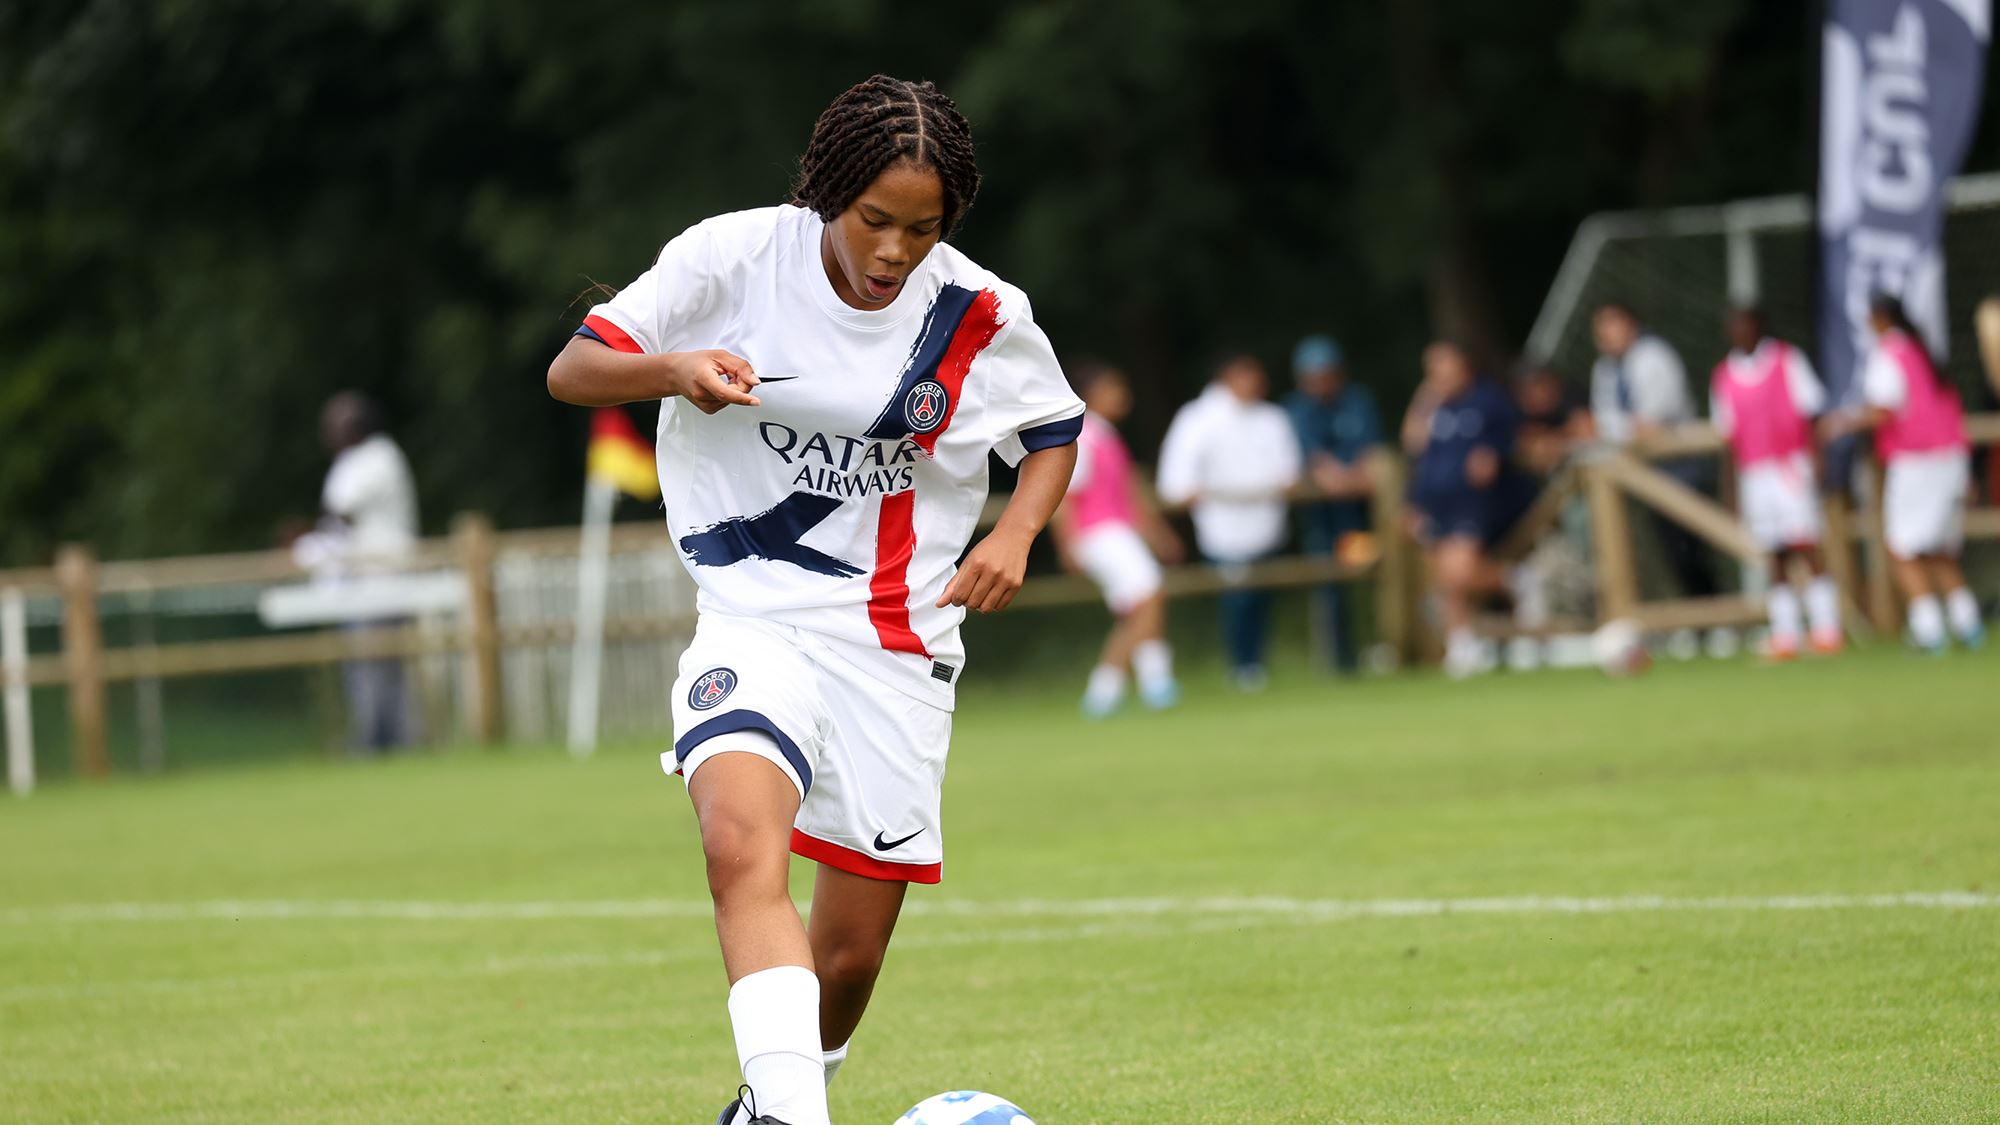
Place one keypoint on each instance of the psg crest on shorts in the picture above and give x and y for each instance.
(925, 405)
(711, 688)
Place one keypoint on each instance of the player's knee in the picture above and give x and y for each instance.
(743, 852)
(853, 961)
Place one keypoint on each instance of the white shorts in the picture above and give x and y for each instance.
(1923, 503)
(1780, 501)
(868, 759)
(1121, 564)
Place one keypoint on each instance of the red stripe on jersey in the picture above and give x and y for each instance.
(861, 863)
(976, 330)
(889, 589)
(617, 337)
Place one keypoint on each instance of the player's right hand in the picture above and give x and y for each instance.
(713, 379)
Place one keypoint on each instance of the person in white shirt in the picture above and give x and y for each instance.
(1638, 390)
(368, 525)
(833, 377)
(1763, 398)
(1232, 456)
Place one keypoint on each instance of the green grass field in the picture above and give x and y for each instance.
(1333, 902)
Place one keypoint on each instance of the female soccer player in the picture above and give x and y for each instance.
(832, 378)
(1108, 531)
(1920, 436)
(1763, 397)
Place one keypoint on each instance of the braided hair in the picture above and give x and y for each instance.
(873, 125)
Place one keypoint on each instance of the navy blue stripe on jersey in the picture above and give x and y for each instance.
(1049, 435)
(772, 535)
(732, 721)
(940, 325)
(586, 331)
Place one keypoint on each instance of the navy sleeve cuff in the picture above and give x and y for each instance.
(1049, 435)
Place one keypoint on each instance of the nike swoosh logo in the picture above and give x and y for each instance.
(776, 378)
(882, 845)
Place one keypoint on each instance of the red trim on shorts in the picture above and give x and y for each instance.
(889, 589)
(863, 864)
(616, 337)
(975, 330)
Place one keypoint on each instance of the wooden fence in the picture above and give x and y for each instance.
(482, 637)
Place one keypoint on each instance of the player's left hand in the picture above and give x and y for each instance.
(991, 575)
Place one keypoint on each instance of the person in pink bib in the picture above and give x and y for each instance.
(1763, 398)
(1107, 531)
(1920, 436)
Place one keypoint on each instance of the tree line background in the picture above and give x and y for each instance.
(214, 213)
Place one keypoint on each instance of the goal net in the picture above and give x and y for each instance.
(1680, 268)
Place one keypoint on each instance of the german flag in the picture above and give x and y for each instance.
(618, 454)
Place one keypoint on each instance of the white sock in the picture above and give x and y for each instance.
(833, 1059)
(1106, 687)
(1927, 621)
(1823, 606)
(1963, 609)
(776, 1017)
(1153, 663)
(1782, 602)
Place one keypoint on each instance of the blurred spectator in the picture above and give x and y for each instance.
(1920, 436)
(368, 526)
(1460, 430)
(1552, 421)
(1105, 529)
(1232, 457)
(1639, 390)
(1337, 426)
(1763, 398)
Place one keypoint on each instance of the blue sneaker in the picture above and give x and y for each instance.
(1161, 696)
(1976, 639)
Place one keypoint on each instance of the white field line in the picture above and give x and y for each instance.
(1304, 909)
(352, 975)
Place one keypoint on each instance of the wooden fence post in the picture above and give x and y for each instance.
(1883, 606)
(1611, 542)
(83, 659)
(1839, 516)
(1393, 598)
(473, 533)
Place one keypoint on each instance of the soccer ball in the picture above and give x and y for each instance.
(1620, 649)
(965, 1107)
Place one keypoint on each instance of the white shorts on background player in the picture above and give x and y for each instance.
(1923, 503)
(1118, 560)
(1780, 501)
(868, 758)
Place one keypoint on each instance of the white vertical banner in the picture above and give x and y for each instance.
(1900, 93)
(593, 573)
(14, 672)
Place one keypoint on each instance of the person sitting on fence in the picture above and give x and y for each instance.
(1106, 530)
(1920, 436)
(1638, 391)
(1338, 426)
(368, 524)
(1460, 431)
(1763, 398)
(1552, 421)
(1231, 456)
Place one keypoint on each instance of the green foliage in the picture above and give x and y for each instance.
(213, 213)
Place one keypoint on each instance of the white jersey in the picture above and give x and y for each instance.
(842, 504)
(370, 488)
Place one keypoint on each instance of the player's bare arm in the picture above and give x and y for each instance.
(992, 574)
(586, 373)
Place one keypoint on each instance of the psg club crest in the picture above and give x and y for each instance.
(925, 406)
(711, 688)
